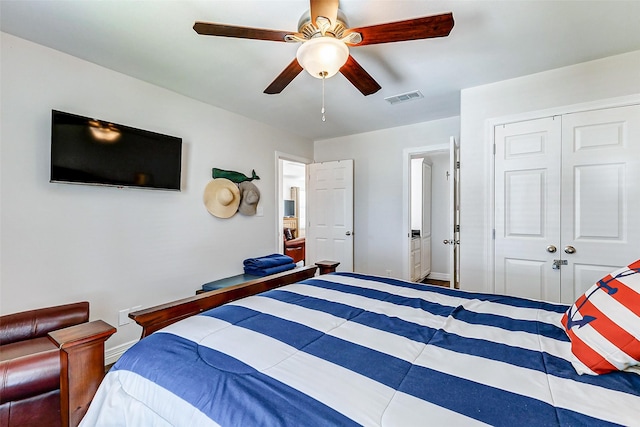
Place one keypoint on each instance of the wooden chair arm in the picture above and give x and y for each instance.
(81, 366)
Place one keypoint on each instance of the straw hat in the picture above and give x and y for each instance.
(250, 196)
(221, 197)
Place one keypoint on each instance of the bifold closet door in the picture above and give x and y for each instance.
(527, 208)
(600, 195)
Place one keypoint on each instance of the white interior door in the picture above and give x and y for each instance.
(567, 198)
(425, 234)
(527, 208)
(600, 195)
(330, 213)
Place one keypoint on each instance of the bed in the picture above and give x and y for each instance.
(352, 349)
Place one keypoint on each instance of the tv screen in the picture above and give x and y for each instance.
(289, 208)
(90, 151)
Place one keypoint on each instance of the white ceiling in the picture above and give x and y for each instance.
(491, 41)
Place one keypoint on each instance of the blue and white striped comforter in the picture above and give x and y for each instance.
(349, 349)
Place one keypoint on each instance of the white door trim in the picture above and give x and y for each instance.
(407, 153)
(491, 123)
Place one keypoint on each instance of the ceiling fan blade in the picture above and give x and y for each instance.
(411, 29)
(285, 77)
(326, 8)
(213, 29)
(359, 77)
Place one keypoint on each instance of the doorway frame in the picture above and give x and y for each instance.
(279, 157)
(407, 155)
(490, 125)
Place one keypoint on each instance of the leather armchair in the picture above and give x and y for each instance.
(30, 364)
(295, 248)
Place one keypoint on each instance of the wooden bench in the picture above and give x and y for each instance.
(226, 282)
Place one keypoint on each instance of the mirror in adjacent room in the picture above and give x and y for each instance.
(429, 217)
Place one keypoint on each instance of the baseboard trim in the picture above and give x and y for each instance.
(439, 276)
(111, 355)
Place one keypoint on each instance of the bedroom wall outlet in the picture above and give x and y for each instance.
(123, 317)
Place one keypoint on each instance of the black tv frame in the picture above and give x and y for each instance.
(85, 153)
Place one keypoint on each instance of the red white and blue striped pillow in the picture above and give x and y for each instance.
(604, 323)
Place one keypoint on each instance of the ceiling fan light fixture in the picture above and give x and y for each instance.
(322, 56)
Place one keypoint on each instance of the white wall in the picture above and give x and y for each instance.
(379, 240)
(616, 76)
(119, 248)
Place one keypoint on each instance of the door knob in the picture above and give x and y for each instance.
(551, 249)
(569, 250)
(348, 233)
(447, 242)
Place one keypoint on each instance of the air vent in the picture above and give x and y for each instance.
(403, 97)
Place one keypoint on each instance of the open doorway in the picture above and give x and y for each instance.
(430, 216)
(430, 254)
(292, 208)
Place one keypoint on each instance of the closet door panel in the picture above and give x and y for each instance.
(527, 208)
(526, 278)
(524, 195)
(599, 202)
(600, 195)
(585, 275)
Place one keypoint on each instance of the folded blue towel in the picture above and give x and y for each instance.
(273, 260)
(269, 270)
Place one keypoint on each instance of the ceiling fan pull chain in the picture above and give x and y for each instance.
(324, 74)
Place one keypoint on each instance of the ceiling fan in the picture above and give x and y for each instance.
(325, 37)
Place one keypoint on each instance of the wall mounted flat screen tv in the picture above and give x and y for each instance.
(96, 152)
(289, 208)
